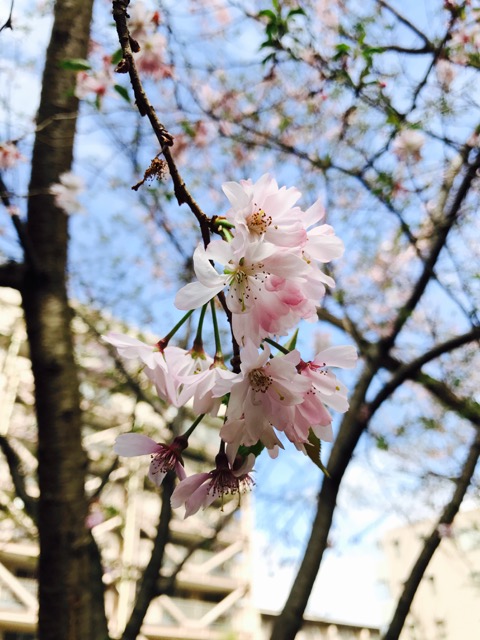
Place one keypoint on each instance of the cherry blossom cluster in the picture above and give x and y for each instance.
(150, 46)
(266, 269)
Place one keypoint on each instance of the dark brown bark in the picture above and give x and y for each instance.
(148, 587)
(70, 581)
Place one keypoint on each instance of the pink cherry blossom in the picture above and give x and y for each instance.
(325, 390)
(9, 155)
(248, 268)
(322, 243)
(408, 144)
(140, 20)
(164, 368)
(262, 211)
(129, 347)
(66, 192)
(151, 58)
(200, 386)
(164, 457)
(266, 391)
(96, 82)
(201, 489)
(238, 431)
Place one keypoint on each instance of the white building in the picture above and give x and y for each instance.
(446, 605)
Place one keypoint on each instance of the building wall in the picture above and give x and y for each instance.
(446, 606)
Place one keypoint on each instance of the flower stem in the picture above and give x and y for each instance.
(218, 344)
(161, 344)
(222, 223)
(227, 235)
(276, 345)
(189, 431)
(198, 342)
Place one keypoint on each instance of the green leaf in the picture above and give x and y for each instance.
(292, 343)
(370, 51)
(266, 44)
(271, 29)
(122, 92)
(256, 449)
(296, 12)
(74, 64)
(117, 56)
(381, 443)
(313, 449)
(271, 56)
(342, 48)
(188, 128)
(267, 13)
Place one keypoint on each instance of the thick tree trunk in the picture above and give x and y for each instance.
(290, 620)
(70, 586)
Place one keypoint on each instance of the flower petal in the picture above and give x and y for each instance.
(200, 497)
(218, 251)
(204, 271)
(195, 295)
(236, 194)
(155, 475)
(134, 444)
(345, 357)
(186, 487)
(314, 214)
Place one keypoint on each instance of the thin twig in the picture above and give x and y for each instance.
(8, 24)
(165, 139)
(20, 228)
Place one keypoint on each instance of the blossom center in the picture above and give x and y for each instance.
(169, 456)
(224, 481)
(258, 221)
(240, 290)
(164, 461)
(259, 381)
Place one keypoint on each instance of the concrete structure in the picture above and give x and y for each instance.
(446, 604)
(321, 629)
(209, 554)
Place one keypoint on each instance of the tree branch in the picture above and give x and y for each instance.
(18, 478)
(71, 592)
(432, 543)
(443, 228)
(20, 228)
(127, 65)
(464, 407)
(8, 23)
(410, 370)
(288, 623)
(406, 22)
(353, 425)
(148, 588)
(166, 585)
